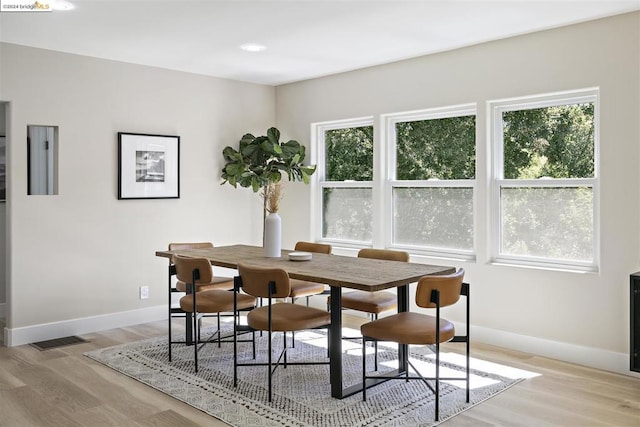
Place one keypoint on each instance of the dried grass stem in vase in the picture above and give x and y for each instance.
(272, 195)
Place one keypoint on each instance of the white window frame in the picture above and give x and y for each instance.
(320, 183)
(497, 181)
(389, 123)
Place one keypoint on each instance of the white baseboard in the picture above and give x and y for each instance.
(596, 358)
(587, 356)
(29, 334)
(572, 353)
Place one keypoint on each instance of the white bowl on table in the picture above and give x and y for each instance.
(300, 256)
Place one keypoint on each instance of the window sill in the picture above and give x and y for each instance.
(549, 266)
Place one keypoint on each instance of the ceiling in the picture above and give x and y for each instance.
(304, 39)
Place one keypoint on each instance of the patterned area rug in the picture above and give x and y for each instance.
(301, 393)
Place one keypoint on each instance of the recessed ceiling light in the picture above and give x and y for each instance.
(253, 47)
(61, 5)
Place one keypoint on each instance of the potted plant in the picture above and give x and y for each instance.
(259, 163)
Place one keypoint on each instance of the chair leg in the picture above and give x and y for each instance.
(253, 339)
(364, 369)
(260, 304)
(375, 355)
(293, 334)
(196, 338)
(236, 323)
(269, 365)
(169, 300)
(406, 372)
(284, 347)
(219, 334)
(437, 391)
(375, 347)
(170, 338)
(468, 369)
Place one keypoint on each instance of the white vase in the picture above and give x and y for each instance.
(272, 236)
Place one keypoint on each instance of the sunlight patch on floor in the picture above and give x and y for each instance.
(353, 347)
(490, 367)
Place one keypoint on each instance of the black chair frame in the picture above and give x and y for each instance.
(372, 317)
(282, 357)
(193, 320)
(376, 379)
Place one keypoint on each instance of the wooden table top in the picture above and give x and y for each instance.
(335, 270)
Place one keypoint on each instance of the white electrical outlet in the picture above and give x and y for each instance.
(144, 292)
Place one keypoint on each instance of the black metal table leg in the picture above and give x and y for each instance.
(335, 350)
(403, 305)
(335, 344)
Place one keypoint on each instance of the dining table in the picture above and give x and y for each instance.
(337, 272)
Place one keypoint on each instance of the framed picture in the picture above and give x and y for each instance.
(3, 169)
(148, 166)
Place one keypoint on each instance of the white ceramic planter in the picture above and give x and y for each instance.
(273, 236)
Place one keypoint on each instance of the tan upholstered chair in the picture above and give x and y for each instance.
(433, 292)
(225, 283)
(217, 282)
(269, 284)
(195, 272)
(302, 288)
(373, 303)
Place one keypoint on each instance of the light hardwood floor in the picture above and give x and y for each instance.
(61, 387)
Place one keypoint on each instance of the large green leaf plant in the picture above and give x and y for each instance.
(263, 160)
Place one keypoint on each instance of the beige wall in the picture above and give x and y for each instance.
(84, 253)
(537, 310)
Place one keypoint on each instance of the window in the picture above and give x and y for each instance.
(545, 185)
(432, 177)
(416, 189)
(422, 190)
(345, 171)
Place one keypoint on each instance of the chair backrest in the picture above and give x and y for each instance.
(450, 287)
(319, 248)
(386, 254)
(196, 245)
(255, 281)
(185, 267)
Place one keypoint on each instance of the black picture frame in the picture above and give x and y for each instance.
(148, 166)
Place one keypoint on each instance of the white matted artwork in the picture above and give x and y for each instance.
(148, 166)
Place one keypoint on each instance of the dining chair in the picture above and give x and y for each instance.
(410, 328)
(304, 288)
(270, 284)
(373, 303)
(217, 282)
(195, 272)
